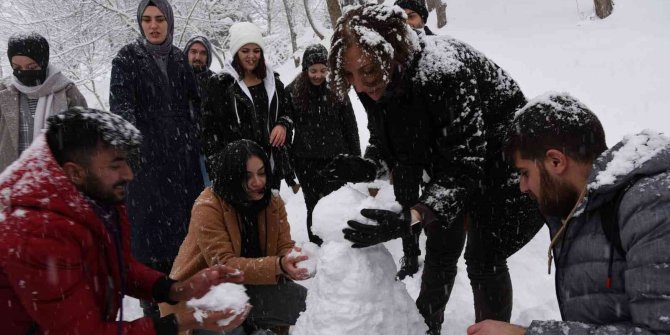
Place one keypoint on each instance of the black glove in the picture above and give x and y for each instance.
(390, 226)
(348, 168)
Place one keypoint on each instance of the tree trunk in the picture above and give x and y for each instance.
(291, 29)
(334, 11)
(603, 8)
(311, 22)
(268, 4)
(440, 10)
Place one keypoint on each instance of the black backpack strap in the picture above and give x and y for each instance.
(609, 216)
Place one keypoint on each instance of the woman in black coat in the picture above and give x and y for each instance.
(324, 128)
(154, 88)
(247, 101)
(437, 113)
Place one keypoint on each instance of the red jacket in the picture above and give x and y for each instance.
(58, 263)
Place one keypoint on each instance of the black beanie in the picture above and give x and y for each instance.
(419, 6)
(314, 54)
(32, 45)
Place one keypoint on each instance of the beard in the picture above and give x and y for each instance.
(557, 197)
(95, 189)
(198, 66)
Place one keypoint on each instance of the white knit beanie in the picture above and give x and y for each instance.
(242, 33)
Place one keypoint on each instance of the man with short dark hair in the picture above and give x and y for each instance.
(417, 14)
(65, 262)
(608, 212)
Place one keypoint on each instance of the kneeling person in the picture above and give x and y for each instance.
(607, 211)
(239, 223)
(65, 262)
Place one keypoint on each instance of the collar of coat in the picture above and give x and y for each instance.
(36, 182)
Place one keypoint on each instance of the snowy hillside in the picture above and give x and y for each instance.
(617, 66)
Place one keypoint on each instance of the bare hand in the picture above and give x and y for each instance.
(278, 136)
(199, 284)
(492, 327)
(186, 320)
(289, 265)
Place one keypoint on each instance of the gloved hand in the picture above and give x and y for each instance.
(390, 226)
(348, 168)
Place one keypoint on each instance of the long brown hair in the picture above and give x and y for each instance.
(381, 32)
(300, 92)
(260, 71)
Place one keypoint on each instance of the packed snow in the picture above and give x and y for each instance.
(618, 67)
(312, 251)
(355, 289)
(636, 150)
(220, 298)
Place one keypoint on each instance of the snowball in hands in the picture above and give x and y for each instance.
(220, 297)
(310, 250)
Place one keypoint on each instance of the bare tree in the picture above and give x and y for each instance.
(311, 21)
(291, 28)
(440, 10)
(334, 11)
(603, 8)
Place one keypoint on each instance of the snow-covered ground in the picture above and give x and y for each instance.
(617, 66)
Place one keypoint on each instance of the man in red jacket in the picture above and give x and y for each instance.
(65, 261)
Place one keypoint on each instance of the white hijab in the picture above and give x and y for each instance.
(51, 95)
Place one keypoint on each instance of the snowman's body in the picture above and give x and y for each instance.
(354, 290)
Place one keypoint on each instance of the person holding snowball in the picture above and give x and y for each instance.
(239, 223)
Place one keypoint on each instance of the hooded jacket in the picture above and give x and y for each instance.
(58, 263)
(447, 115)
(201, 77)
(637, 301)
(229, 114)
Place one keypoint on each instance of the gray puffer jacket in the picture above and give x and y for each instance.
(638, 301)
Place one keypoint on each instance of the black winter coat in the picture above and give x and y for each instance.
(327, 128)
(201, 80)
(169, 178)
(447, 114)
(229, 114)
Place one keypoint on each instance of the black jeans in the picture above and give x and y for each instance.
(488, 273)
(314, 187)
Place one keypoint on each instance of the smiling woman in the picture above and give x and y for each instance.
(248, 101)
(239, 223)
(437, 110)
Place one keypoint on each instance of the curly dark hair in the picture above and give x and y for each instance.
(301, 91)
(381, 32)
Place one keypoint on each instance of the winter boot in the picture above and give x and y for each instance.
(409, 265)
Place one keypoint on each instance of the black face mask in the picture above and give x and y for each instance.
(31, 77)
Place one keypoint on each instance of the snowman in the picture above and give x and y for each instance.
(354, 290)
